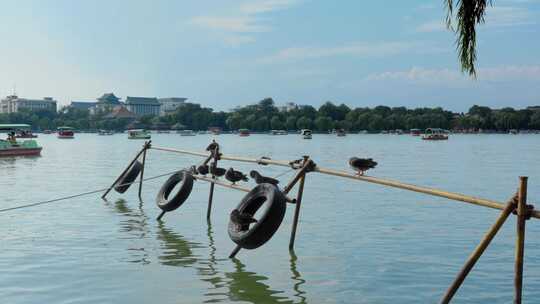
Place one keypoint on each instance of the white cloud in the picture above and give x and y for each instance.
(245, 21)
(432, 26)
(355, 49)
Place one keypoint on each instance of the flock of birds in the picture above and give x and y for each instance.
(243, 220)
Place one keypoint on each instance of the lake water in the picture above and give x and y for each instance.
(356, 242)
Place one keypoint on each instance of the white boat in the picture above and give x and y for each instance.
(105, 132)
(278, 132)
(435, 134)
(187, 133)
(306, 133)
(138, 134)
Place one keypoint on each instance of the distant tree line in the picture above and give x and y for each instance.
(264, 116)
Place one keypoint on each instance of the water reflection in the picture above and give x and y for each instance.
(136, 227)
(239, 285)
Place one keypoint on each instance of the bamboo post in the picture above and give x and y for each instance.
(125, 170)
(215, 156)
(307, 163)
(520, 240)
(297, 212)
(141, 178)
(478, 251)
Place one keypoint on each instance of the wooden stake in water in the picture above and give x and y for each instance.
(141, 177)
(520, 240)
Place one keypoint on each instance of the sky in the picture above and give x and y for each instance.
(223, 54)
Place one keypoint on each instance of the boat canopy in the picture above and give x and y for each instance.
(14, 127)
(65, 128)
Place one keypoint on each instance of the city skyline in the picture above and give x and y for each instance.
(307, 52)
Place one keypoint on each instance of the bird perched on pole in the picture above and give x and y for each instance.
(235, 176)
(242, 219)
(216, 171)
(361, 165)
(212, 146)
(259, 179)
(202, 169)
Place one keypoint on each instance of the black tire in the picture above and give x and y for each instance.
(268, 223)
(129, 177)
(162, 199)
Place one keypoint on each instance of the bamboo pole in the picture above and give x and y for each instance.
(300, 174)
(297, 212)
(520, 240)
(478, 251)
(141, 178)
(125, 170)
(213, 155)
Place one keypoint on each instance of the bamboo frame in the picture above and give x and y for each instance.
(520, 239)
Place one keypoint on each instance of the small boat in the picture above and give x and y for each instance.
(105, 132)
(47, 132)
(399, 132)
(278, 132)
(163, 131)
(138, 134)
(243, 132)
(12, 147)
(513, 131)
(416, 132)
(306, 133)
(187, 133)
(340, 132)
(434, 134)
(65, 132)
(25, 134)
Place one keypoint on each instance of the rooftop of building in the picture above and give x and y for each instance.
(109, 98)
(142, 100)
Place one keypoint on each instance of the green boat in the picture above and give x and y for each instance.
(138, 134)
(12, 147)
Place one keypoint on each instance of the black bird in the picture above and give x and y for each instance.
(259, 179)
(202, 169)
(216, 171)
(242, 219)
(212, 146)
(235, 176)
(362, 164)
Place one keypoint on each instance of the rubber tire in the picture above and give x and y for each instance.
(162, 199)
(262, 231)
(129, 177)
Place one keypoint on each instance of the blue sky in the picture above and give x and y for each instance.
(228, 53)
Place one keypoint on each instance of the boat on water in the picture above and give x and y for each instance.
(163, 131)
(513, 131)
(138, 134)
(13, 147)
(306, 133)
(243, 132)
(105, 132)
(340, 132)
(278, 132)
(47, 132)
(416, 132)
(187, 133)
(65, 132)
(435, 134)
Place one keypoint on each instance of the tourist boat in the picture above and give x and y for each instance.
(13, 147)
(22, 131)
(105, 132)
(47, 132)
(187, 133)
(306, 133)
(340, 132)
(65, 132)
(138, 134)
(243, 132)
(513, 131)
(399, 132)
(416, 132)
(434, 134)
(278, 132)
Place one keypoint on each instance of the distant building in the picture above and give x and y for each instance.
(82, 105)
(106, 103)
(120, 112)
(13, 104)
(169, 105)
(289, 106)
(143, 105)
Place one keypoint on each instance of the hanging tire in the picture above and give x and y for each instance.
(268, 223)
(129, 177)
(186, 179)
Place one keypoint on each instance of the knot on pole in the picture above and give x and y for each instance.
(528, 211)
(147, 145)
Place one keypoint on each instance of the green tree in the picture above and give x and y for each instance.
(304, 122)
(324, 123)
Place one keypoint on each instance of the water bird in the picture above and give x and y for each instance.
(362, 164)
(203, 169)
(260, 179)
(212, 146)
(216, 171)
(235, 176)
(242, 219)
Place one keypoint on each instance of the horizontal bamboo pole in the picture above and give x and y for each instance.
(229, 185)
(425, 190)
(261, 161)
(369, 179)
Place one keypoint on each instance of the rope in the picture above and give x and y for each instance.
(283, 173)
(80, 194)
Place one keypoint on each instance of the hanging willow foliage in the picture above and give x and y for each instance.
(469, 14)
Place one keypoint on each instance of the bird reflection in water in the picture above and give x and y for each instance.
(136, 227)
(239, 285)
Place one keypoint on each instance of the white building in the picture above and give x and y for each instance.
(13, 104)
(143, 105)
(289, 106)
(169, 105)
